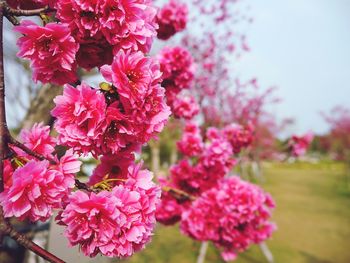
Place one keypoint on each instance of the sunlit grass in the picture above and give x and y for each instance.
(313, 218)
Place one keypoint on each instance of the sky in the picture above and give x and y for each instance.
(303, 48)
(300, 46)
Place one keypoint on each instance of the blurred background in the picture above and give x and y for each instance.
(284, 65)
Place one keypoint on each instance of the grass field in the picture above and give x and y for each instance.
(312, 214)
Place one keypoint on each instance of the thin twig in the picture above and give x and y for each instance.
(21, 12)
(82, 186)
(38, 156)
(21, 239)
(178, 193)
(3, 126)
(5, 139)
(24, 148)
(12, 19)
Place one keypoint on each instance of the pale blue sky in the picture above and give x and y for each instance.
(300, 46)
(303, 47)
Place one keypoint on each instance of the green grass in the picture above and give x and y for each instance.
(312, 214)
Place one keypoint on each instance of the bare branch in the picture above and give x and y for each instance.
(20, 12)
(178, 194)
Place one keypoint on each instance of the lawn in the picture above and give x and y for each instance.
(312, 214)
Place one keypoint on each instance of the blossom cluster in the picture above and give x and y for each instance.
(178, 68)
(113, 122)
(171, 18)
(205, 162)
(51, 51)
(198, 185)
(33, 188)
(239, 213)
(191, 142)
(214, 160)
(185, 107)
(170, 209)
(115, 223)
(299, 144)
(114, 213)
(130, 112)
(115, 219)
(88, 35)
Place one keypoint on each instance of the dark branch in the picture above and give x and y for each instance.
(19, 12)
(21, 239)
(24, 148)
(12, 19)
(3, 126)
(82, 186)
(5, 139)
(178, 194)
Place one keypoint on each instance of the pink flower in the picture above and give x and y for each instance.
(38, 139)
(213, 160)
(188, 178)
(185, 107)
(94, 53)
(112, 167)
(51, 50)
(172, 18)
(133, 75)
(240, 137)
(169, 209)
(299, 144)
(36, 190)
(139, 111)
(131, 25)
(81, 114)
(213, 133)
(9, 168)
(69, 163)
(191, 127)
(116, 223)
(124, 24)
(217, 157)
(178, 68)
(127, 115)
(195, 179)
(191, 143)
(91, 221)
(239, 213)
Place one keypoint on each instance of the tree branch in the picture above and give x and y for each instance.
(24, 148)
(178, 194)
(21, 239)
(12, 19)
(5, 138)
(82, 186)
(38, 156)
(20, 12)
(3, 126)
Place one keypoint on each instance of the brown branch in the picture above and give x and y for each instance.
(14, 142)
(38, 156)
(20, 12)
(12, 19)
(178, 194)
(24, 148)
(82, 186)
(5, 139)
(21, 239)
(3, 126)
